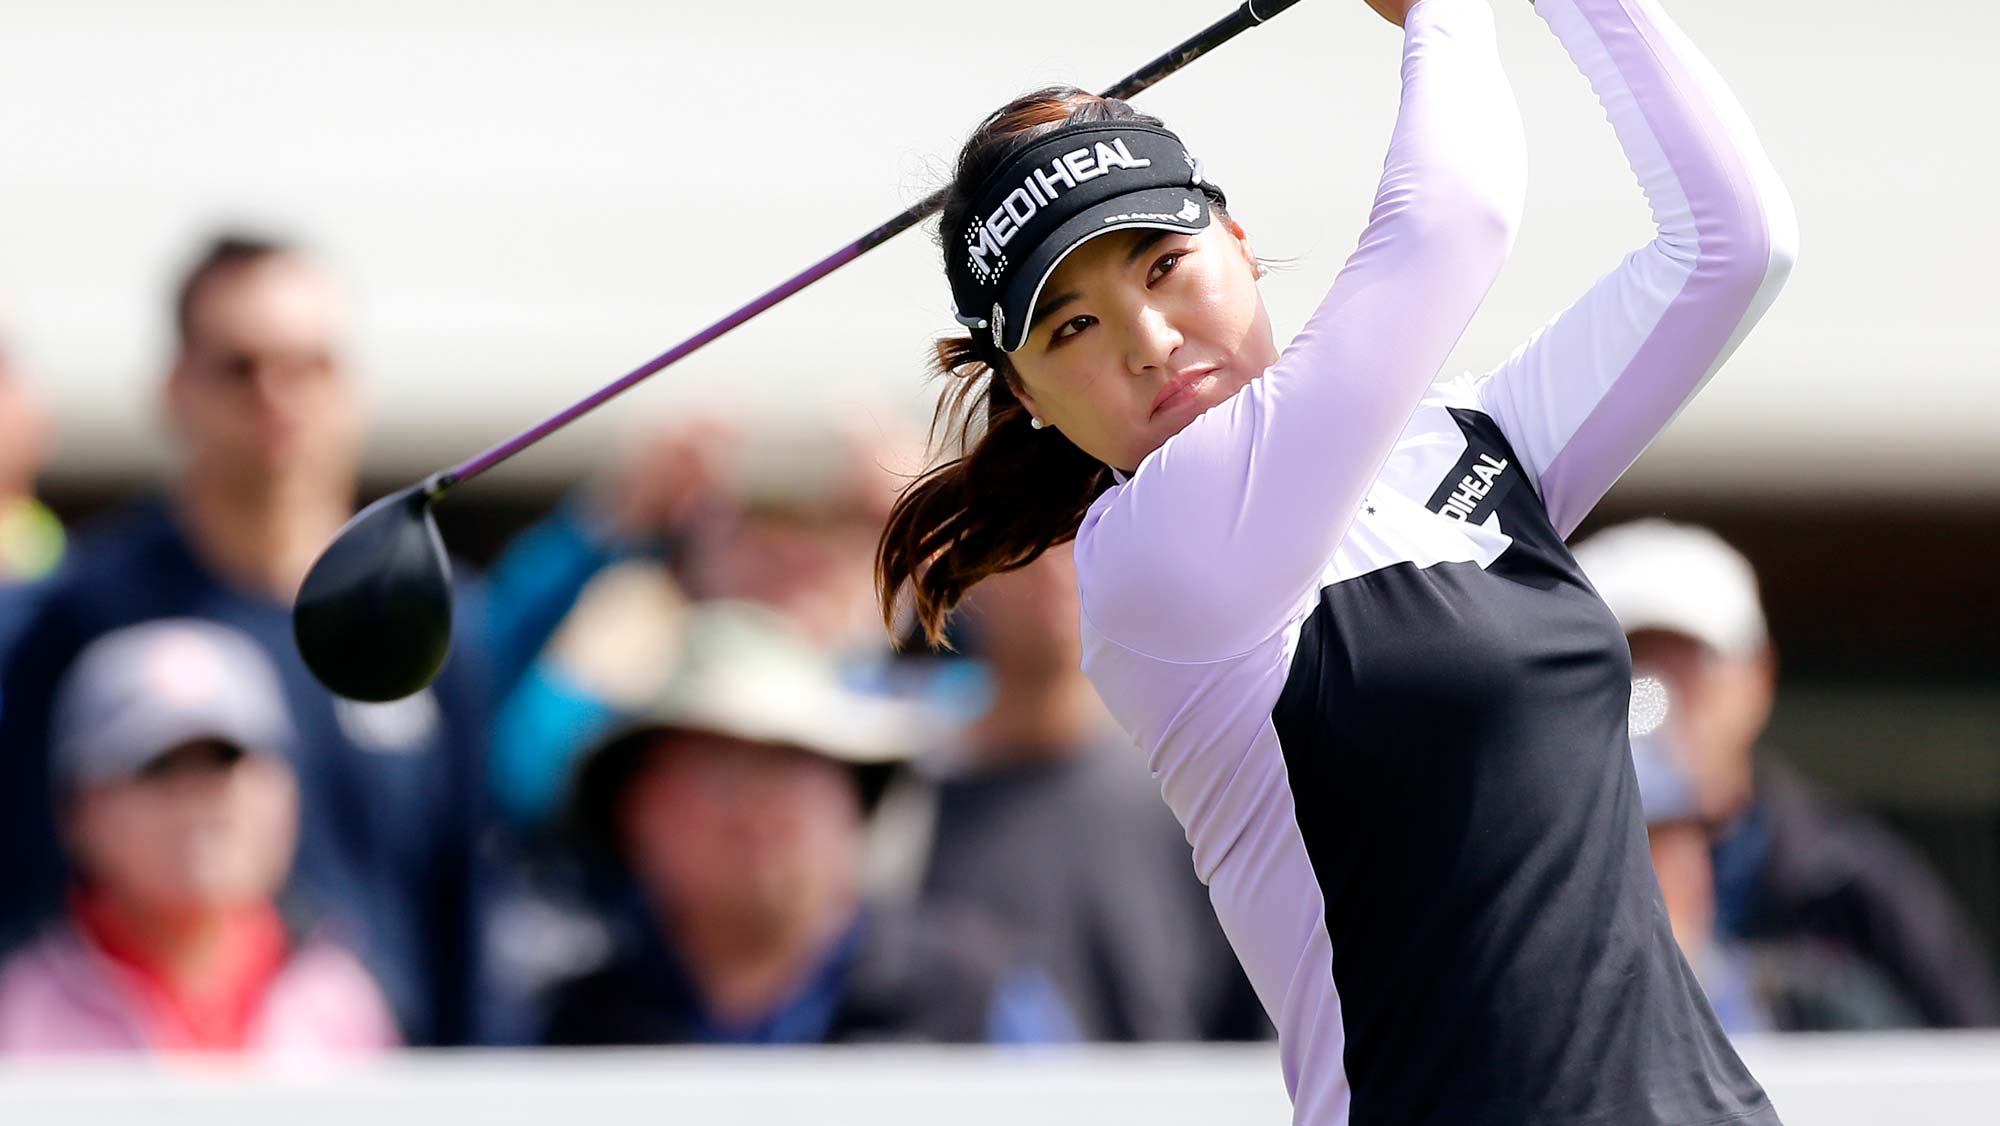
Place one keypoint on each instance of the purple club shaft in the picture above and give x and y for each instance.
(480, 463)
(1244, 17)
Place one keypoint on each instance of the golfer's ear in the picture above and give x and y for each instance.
(1020, 391)
(1235, 228)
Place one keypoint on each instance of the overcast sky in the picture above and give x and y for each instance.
(527, 199)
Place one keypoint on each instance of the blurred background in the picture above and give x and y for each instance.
(451, 220)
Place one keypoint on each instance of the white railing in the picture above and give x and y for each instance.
(1912, 1080)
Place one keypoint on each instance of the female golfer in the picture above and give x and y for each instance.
(1331, 601)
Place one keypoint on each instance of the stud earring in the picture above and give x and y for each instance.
(1036, 423)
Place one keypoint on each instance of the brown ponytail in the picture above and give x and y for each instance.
(1013, 491)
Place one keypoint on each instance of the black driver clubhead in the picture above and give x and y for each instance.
(373, 619)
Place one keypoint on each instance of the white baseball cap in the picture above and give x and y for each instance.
(137, 693)
(1655, 574)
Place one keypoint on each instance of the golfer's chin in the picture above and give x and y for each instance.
(1178, 414)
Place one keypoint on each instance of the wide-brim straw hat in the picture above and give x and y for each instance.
(746, 673)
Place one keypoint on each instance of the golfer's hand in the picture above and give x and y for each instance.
(1392, 10)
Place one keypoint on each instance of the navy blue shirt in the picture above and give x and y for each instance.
(392, 795)
(891, 975)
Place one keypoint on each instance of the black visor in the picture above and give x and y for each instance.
(1070, 186)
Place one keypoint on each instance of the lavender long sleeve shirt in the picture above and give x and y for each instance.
(1337, 615)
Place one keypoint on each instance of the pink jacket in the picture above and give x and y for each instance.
(63, 995)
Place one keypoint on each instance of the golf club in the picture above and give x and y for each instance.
(373, 617)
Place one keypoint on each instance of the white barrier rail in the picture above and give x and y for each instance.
(1907, 1080)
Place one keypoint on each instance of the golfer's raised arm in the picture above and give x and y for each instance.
(1582, 398)
(1223, 531)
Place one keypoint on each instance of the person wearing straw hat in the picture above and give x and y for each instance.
(734, 810)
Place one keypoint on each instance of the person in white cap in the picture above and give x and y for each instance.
(734, 810)
(1693, 618)
(1788, 865)
(181, 814)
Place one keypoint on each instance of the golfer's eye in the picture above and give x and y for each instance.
(1165, 266)
(1070, 328)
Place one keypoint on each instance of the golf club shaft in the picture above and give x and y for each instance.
(1249, 15)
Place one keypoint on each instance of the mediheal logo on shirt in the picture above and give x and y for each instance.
(1481, 479)
(1473, 488)
(397, 727)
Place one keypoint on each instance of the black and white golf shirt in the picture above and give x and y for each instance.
(1337, 614)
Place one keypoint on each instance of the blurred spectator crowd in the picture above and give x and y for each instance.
(676, 786)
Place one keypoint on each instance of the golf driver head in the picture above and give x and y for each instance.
(373, 618)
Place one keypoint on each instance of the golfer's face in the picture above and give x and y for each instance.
(1139, 332)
